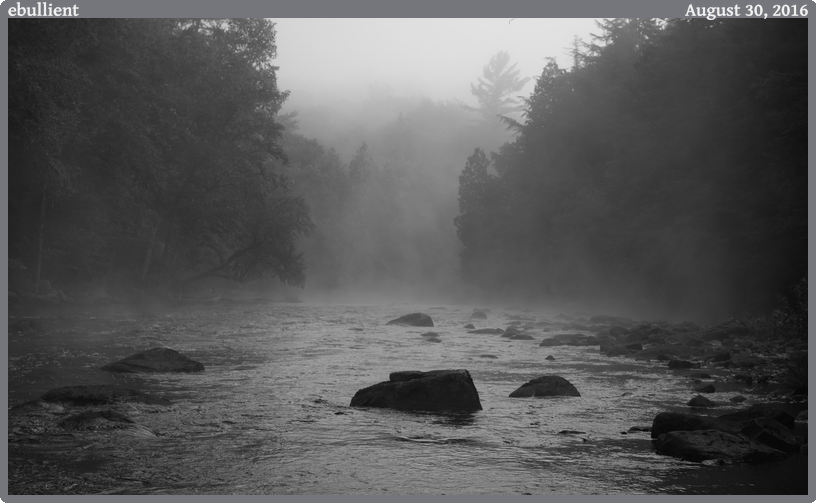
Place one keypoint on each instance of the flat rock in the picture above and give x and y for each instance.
(492, 331)
(700, 375)
(676, 421)
(413, 320)
(700, 445)
(522, 337)
(99, 394)
(154, 361)
(682, 364)
(435, 390)
(545, 386)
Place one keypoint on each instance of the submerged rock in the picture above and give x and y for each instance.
(701, 445)
(434, 390)
(88, 420)
(413, 320)
(478, 315)
(155, 360)
(95, 420)
(546, 386)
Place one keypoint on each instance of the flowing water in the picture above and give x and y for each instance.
(270, 414)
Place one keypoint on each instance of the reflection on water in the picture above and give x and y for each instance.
(270, 415)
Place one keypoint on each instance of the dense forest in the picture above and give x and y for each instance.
(141, 153)
(665, 170)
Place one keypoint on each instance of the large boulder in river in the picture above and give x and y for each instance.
(701, 445)
(546, 386)
(155, 360)
(413, 320)
(435, 390)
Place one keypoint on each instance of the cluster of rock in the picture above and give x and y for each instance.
(757, 434)
(447, 390)
(93, 408)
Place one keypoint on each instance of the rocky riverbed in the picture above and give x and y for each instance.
(273, 401)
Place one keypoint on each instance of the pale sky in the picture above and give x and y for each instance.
(437, 58)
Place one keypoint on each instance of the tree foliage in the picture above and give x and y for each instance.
(496, 88)
(167, 131)
(666, 170)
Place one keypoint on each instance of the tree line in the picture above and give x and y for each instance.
(156, 154)
(144, 151)
(667, 169)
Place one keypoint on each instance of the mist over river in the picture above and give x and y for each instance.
(270, 413)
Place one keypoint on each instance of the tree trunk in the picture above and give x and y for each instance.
(40, 234)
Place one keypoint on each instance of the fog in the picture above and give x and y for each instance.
(385, 82)
(325, 60)
(476, 161)
(403, 89)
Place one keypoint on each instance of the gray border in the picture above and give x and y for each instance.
(380, 8)
(369, 9)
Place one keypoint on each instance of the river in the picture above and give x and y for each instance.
(270, 414)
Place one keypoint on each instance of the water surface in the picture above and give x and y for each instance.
(270, 414)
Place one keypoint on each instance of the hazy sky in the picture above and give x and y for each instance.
(437, 58)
